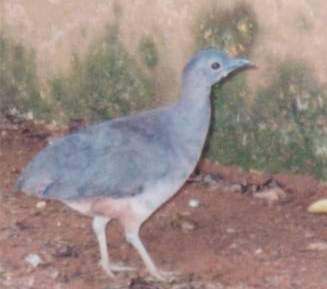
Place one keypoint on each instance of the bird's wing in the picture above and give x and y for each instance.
(116, 159)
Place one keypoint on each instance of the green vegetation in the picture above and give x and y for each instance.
(19, 87)
(231, 30)
(284, 130)
(288, 113)
(105, 84)
(228, 140)
(148, 51)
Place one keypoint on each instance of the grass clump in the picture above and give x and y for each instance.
(231, 30)
(106, 84)
(287, 113)
(148, 52)
(283, 131)
(230, 130)
(19, 86)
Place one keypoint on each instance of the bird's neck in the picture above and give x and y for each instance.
(194, 106)
(192, 117)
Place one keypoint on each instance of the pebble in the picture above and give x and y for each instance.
(188, 226)
(184, 222)
(259, 251)
(318, 207)
(233, 188)
(34, 260)
(41, 205)
(317, 246)
(193, 203)
(271, 195)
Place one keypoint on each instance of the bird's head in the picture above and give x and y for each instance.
(210, 66)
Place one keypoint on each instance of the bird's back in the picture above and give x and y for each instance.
(114, 158)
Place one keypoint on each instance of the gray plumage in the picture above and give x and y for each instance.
(115, 158)
(144, 158)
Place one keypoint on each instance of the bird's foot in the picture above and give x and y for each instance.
(107, 269)
(164, 276)
(110, 268)
(120, 268)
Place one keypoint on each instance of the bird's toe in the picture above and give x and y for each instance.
(112, 267)
(164, 276)
(120, 268)
(107, 269)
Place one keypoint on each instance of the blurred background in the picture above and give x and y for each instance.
(92, 60)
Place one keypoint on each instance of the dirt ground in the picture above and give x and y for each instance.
(231, 240)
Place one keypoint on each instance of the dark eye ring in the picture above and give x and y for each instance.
(215, 65)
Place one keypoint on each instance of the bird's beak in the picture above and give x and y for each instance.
(238, 63)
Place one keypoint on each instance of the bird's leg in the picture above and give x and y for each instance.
(99, 225)
(132, 236)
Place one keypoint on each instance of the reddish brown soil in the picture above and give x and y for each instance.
(237, 241)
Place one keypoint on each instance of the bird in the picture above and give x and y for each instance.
(128, 167)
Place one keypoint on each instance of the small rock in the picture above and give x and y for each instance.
(234, 188)
(317, 246)
(194, 203)
(29, 115)
(259, 251)
(41, 205)
(34, 260)
(271, 195)
(318, 207)
(184, 223)
(187, 226)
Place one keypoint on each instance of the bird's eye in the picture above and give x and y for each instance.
(215, 65)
